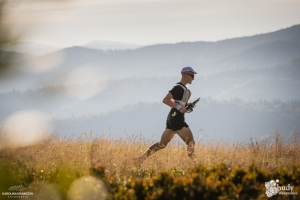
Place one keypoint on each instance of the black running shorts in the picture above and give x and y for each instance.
(175, 120)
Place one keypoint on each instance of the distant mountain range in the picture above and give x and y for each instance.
(265, 51)
(30, 48)
(106, 45)
(41, 49)
(74, 82)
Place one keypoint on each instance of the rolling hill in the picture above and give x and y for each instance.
(165, 60)
(84, 89)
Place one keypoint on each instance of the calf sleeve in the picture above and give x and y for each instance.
(154, 148)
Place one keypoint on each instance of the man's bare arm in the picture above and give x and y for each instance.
(168, 100)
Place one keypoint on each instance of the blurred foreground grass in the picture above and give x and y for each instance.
(89, 167)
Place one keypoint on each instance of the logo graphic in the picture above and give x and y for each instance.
(174, 114)
(19, 188)
(17, 192)
(273, 188)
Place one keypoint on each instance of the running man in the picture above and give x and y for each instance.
(177, 99)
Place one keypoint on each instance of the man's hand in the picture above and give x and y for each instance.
(187, 104)
(190, 106)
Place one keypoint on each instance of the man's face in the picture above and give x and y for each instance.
(190, 77)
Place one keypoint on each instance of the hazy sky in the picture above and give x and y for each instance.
(76, 22)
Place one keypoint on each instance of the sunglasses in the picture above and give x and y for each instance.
(192, 75)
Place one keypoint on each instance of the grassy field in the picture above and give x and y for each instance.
(95, 167)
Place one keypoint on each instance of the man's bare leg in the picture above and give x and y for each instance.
(166, 137)
(187, 136)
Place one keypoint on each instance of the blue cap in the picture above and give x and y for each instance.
(188, 69)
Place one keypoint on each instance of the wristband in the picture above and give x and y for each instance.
(178, 106)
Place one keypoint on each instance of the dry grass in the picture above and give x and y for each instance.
(117, 155)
